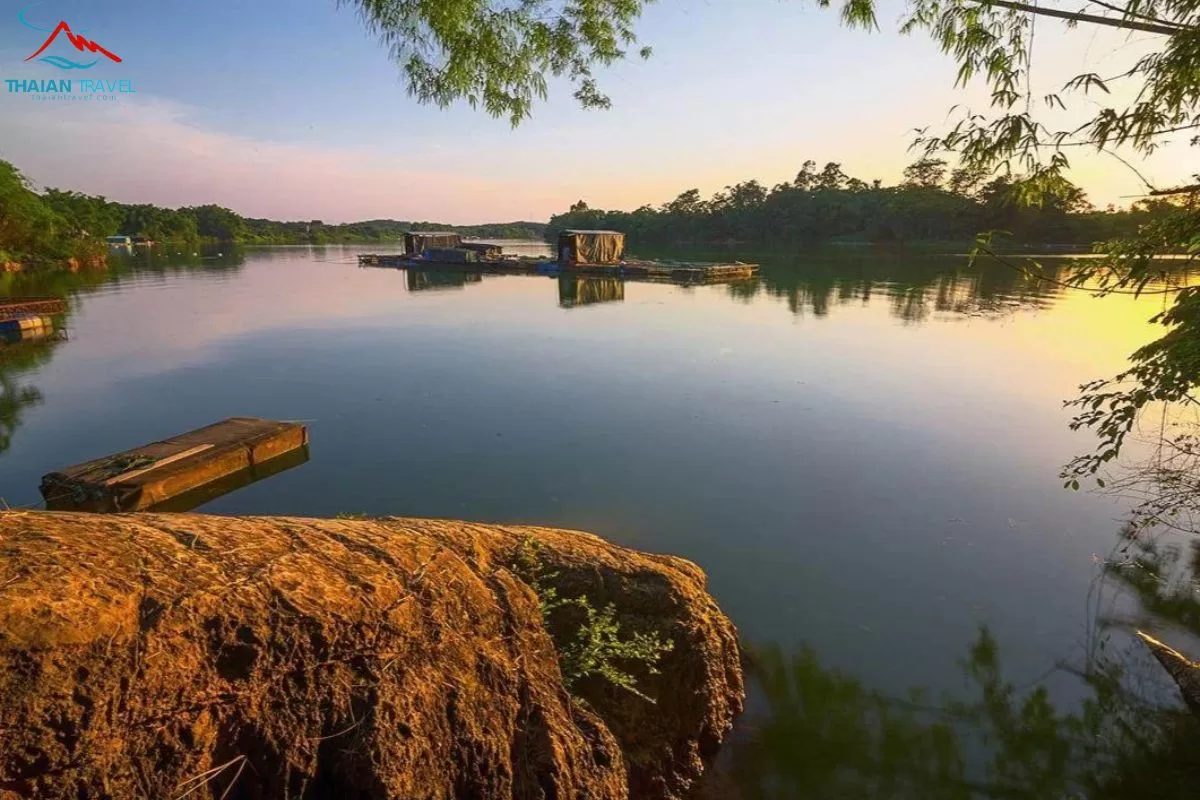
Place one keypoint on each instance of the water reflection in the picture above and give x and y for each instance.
(819, 732)
(25, 351)
(121, 267)
(191, 500)
(575, 291)
(16, 396)
(858, 487)
(434, 280)
(914, 287)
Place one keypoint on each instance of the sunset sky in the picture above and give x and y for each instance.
(291, 110)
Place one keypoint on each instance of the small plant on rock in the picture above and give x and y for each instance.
(599, 646)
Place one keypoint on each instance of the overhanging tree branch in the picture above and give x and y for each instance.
(1195, 187)
(1079, 16)
(1135, 15)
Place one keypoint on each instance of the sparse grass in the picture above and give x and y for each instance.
(351, 515)
(599, 647)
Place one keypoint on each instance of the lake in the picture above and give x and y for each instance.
(860, 449)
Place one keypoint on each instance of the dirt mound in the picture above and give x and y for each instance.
(154, 655)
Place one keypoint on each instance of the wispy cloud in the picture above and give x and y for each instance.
(143, 149)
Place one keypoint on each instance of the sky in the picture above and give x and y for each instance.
(290, 109)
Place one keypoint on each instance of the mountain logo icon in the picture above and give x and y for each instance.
(78, 41)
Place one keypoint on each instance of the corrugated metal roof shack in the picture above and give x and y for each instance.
(591, 247)
(416, 242)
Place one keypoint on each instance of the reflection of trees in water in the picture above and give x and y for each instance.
(17, 359)
(824, 734)
(916, 288)
(1160, 570)
(16, 397)
(1161, 476)
(121, 267)
(217, 261)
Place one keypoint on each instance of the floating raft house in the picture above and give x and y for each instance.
(590, 248)
(600, 253)
(150, 476)
(484, 250)
(15, 307)
(417, 242)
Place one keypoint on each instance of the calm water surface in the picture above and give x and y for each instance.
(860, 450)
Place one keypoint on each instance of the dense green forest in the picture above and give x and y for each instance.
(60, 224)
(932, 204)
(31, 229)
(265, 231)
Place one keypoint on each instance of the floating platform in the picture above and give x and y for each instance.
(681, 272)
(150, 476)
(686, 272)
(16, 307)
(195, 498)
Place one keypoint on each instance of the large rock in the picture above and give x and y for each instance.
(150, 655)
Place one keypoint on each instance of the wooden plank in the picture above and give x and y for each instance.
(194, 498)
(653, 271)
(162, 462)
(154, 473)
(14, 307)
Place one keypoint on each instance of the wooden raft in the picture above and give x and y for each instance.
(14, 307)
(673, 271)
(654, 271)
(231, 483)
(148, 476)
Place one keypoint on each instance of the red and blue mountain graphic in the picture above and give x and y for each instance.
(80, 42)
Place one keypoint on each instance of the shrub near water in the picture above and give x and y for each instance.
(599, 647)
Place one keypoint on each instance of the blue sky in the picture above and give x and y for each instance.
(290, 109)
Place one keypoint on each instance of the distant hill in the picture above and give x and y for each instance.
(488, 230)
(52, 224)
(267, 231)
